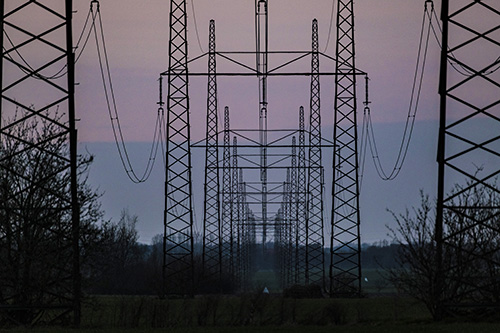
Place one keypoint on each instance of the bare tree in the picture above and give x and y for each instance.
(416, 274)
(123, 266)
(35, 222)
(471, 250)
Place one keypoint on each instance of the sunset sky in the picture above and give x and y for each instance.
(387, 33)
(387, 36)
(387, 39)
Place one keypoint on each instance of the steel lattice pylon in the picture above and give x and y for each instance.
(246, 244)
(227, 207)
(235, 205)
(345, 266)
(262, 46)
(282, 236)
(315, 259)
(212, 251)
(178, 216)
(292, 213)
(471, 208)
(45, 200)
(264, 162)
(301, 232)
(242, 270)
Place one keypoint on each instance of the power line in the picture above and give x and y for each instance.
(109, 93)
(363, 146)
(196, 27)
(113, 110)
(412, 109)
(461, 69)
(330, 28)
(59, 74)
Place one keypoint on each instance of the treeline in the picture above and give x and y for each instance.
(36, 235)
(124, 266)
(127, 267)
(381, 255)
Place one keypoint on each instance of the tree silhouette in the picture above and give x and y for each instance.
(35, 221)
(471, 251)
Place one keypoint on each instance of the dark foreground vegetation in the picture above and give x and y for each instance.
(259, 312)
(135, 268)
(37, 275)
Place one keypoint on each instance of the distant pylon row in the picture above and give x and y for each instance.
(231, 230)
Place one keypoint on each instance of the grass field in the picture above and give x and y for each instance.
(361, 328)
(258, 313)
(382, 310)
(358, 328)
(373, 281)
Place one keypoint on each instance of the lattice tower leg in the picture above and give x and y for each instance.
(467, 231)
(227, 208)
(292, 227)
(43, 167)
(241, 245)
(345, 265)
(279, 221)
(262, 42)
(286, 241)
(235, 199)
(178, 270)
(246, 241)
(300, 234)
(314, 229)
(212, 252)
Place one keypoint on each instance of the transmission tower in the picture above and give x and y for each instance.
(246, 240)
(283, 235)
(212, 251)
(345, 266)
(235, 204)
(242, 243)
(279, 222)
(300, 235)
(314, 223)
(227, 198)
(292, 213)
(262, 39)
(54, 104)
(178, 272)
(261, 156)
(464, 73)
